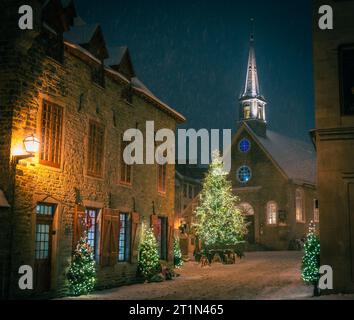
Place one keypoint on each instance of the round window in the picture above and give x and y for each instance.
(244, 145)
(244, 174)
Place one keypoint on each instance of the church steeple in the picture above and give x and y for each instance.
(252, 103)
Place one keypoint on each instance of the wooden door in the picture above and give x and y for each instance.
(43, 248)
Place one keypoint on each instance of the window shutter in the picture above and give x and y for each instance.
(154, 221)
(106, 237)
(109, 237)
(115, 225)
(78, 224)
(135, 223)
(170, 238)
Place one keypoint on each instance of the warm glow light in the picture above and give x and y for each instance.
(31, 144)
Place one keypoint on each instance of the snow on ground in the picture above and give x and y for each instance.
(260, 275)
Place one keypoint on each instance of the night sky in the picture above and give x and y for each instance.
(192, 54)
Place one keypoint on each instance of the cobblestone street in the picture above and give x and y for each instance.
(260, 275)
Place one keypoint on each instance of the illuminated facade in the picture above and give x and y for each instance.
(62, 85)
(273, 175)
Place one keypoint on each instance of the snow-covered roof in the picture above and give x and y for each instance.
(115, 55)
(81, 34)
(296, 158)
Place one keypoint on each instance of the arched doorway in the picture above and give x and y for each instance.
(248, 212)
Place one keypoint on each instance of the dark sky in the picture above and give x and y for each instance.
(193, 53)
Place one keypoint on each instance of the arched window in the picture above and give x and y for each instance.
(246, 209)
(299, 205)
(272, 212)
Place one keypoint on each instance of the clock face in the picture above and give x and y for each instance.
(244, 145)
(244, 174)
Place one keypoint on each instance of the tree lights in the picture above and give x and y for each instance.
(177, 254)
(219, 221)
(82, 272)
(311, 260)
(149, 260)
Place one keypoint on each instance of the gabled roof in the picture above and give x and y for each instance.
(120, 60)
(294, 158)
(90, 37)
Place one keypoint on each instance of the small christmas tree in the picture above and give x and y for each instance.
(149, 260)
(219, 221)
(177, 254)
(82, 271)
(311, 259)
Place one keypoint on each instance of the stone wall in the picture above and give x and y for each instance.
(269, 184)
(335, 147)
(37, 78)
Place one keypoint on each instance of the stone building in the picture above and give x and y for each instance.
(274, 175)
(188, 184)
(334, 135)
(62, 85)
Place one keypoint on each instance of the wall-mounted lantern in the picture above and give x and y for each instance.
(31, 144)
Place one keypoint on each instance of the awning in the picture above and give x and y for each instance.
(3, 201)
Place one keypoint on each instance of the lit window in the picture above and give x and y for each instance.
(91, 228)
(247, 112)
(316, 211)
(45, 214)
(272, 209)
(51, 134)
(244, 145)
(124, 238)
(299, 205)
(246, 209)
(244, 174)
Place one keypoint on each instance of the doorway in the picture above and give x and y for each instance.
(43, 247)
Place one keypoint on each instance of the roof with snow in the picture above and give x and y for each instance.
(295, 158)
(116, 55)
(81, 33)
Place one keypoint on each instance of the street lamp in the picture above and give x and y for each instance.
(31, 144)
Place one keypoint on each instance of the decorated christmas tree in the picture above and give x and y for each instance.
(219, 220)
(177, 254)
(149, 260)
(311, 259)
(82, 271)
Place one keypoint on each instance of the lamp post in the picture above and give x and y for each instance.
(31, 145)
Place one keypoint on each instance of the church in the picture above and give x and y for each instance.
(273, 175)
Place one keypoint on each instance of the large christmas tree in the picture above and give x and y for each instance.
(82, 271)
(311, 259)
(219, 220)
(149, 260)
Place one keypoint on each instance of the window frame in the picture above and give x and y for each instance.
(123, 165)
(316, 211)
(98, 148)
(45, 140)
(243, 140)
(272, 220)
(96, 241)
(300, 192)
(238, 174)
(341, 67)
(127, 238)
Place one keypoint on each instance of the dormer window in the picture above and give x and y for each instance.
(54, 45)
(98, 75)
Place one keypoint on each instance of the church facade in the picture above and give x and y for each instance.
(272, 174)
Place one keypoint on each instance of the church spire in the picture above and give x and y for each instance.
(252, 103)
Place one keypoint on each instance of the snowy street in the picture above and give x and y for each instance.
(260, 275)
